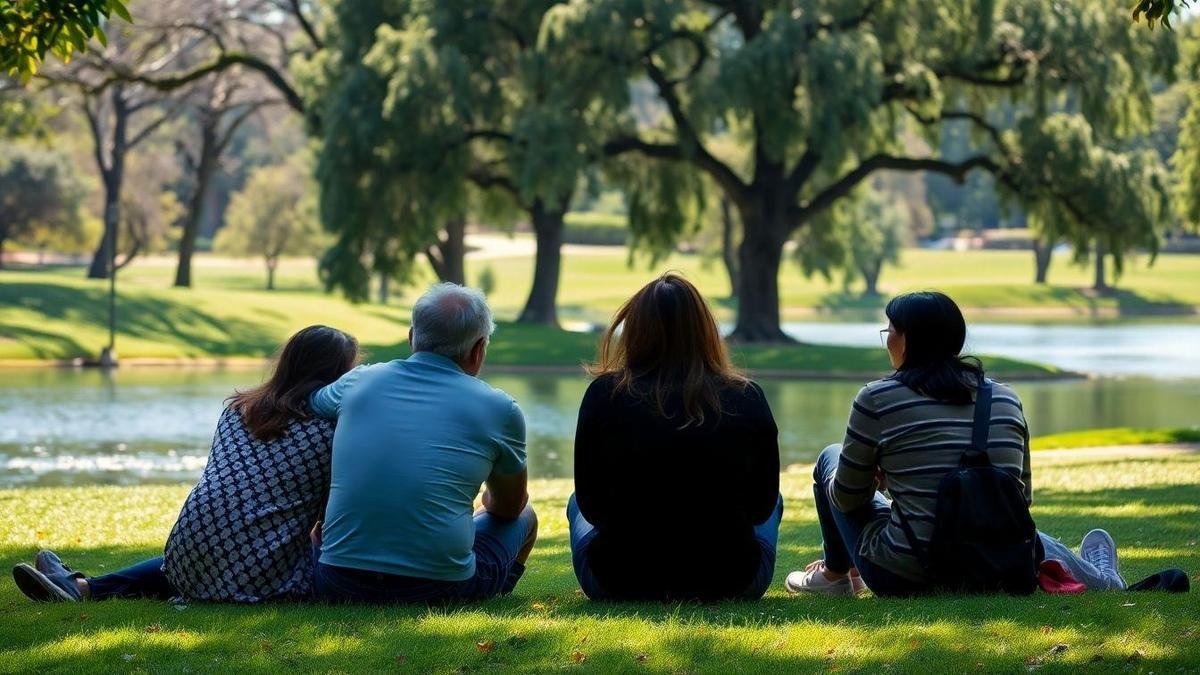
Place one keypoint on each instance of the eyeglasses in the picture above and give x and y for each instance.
(883, 336)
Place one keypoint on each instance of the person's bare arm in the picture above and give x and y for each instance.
(506, 495)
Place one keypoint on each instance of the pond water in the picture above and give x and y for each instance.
(1150, 350)
(154, 424)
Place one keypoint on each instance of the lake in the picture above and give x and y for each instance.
(144, 425)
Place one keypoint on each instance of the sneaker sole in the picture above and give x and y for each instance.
(37, 587)
(832, 592)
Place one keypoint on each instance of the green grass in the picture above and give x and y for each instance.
(1094, 438)
(57, 314)
(1146, 499)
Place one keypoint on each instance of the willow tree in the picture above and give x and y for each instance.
(1185, 162)
(436, 99)
(821, 91)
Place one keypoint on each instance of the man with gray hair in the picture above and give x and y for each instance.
(415, 439)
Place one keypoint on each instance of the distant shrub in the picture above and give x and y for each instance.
(487, 280)
(596, 229)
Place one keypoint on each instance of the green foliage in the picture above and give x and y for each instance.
(1186, 160)
(486, 280)
(272, 216)
(858, 236)
(39, 196)
(1158, 11)
(31, 28)
(1084, 193)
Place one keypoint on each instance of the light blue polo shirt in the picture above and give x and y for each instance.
(415, 439)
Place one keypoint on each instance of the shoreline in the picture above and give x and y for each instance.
(247, 362)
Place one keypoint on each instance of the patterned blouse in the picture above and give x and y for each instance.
(242, 535)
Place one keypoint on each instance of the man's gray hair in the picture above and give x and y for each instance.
(449, 319)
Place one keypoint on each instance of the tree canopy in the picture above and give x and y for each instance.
(39, 195)
(31, 28)
(821, 92)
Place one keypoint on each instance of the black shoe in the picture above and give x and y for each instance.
(47, 562)
(41, 587)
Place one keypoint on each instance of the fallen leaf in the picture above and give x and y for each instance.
(1058, 648)
(538, 607)
(486, 646)
(266, 645)
(642, 658)
(39, 534)
(1046, 630)
(400, 659)
(154, 628)
(830, 652)
(578, 656)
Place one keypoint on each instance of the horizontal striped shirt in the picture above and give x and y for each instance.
(916, 440)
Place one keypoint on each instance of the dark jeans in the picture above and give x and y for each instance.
(582, 533)
(841, 532)
(143, 580)
(497, 571)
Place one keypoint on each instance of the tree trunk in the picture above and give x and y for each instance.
(759, 258)
(1100, 284)
(728, 249)
(271, 265)
(1043, 253)
(541, 306)
(3, 238)
(453, 251)
(205, 168)
(870, 274)
(112, 174)
(384, 291)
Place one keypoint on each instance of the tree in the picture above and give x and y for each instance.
(223, 102)
(1186, 160)
(823, 91)
(274, 215)
(30, 28)
(148, 212)
(1158, 11)
(454, 92)
(39, 195)
(122, 113)
(856, 237)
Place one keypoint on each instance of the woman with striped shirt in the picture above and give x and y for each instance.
(905, 433)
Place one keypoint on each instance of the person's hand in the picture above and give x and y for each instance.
(315, 535)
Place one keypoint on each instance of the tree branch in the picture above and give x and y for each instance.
(689, 141)
(306, 26)
(842, 186)
(221, 63)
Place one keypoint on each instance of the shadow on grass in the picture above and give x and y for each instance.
(138, 316)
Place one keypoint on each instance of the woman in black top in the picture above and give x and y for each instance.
(676, 460)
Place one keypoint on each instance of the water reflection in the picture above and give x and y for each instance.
(155, 425)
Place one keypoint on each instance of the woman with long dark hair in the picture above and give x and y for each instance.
(676, 460)
(243, 533)
(905, 434)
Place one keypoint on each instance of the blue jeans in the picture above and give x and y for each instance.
(582, 533)
(497, 570)
(143, 580)
(841, 532)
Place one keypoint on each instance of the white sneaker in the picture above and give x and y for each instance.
(1099, 549)
(813, 580)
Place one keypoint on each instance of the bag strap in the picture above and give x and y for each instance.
(983, 416)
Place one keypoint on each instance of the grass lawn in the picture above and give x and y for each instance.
(1147, 499)
(1092, 438)
(57, 314)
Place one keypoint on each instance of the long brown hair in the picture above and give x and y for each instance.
(311, 359)
(668, 338)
